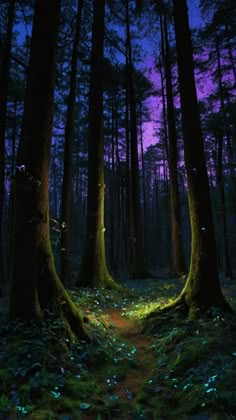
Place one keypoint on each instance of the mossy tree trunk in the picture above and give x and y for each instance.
(4, 78)
(178, 261)
(69, 133)
(93, 270)
(202, 288)
(35, 284)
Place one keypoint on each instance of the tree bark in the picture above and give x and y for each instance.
(139, 264)
(69, 134)
(223, 212)
(35, 284)
(202, 289)
(145, 237)
(93, 270)
(4, 79)
(178, 261)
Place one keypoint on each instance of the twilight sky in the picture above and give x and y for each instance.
(154, 103)
(151, 50)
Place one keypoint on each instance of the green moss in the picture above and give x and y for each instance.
(81, 388)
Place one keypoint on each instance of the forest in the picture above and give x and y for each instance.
(117, 209)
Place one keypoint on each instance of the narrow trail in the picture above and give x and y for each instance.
(130, 385)
(130, 331)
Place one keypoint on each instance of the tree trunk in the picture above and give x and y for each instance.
(178, 262)
(202, 289)
(93, 270)
(220, 182)
(139, 265)
(222, 100)
(113, 219)
(35, 284)
(69, 134)
(145, 238)
(4, 79)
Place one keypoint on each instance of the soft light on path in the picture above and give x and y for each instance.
(130, 332)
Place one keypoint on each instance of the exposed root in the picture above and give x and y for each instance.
(112, 284)
(75, 321)
(185, 308)
(179, 305)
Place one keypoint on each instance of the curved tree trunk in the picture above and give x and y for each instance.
(93, 270)
(202, 288)
(35, 284)
(67, 176)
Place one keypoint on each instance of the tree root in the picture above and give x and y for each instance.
(191, 310)
(179, 305)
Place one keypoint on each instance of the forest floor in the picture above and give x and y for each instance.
(170, 368)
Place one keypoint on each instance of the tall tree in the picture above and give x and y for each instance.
(35, 284)
(4, 79)
(202, 289)
(223, 210)
(69, 133)
(178, 262)
(139, 265)
(93, 270)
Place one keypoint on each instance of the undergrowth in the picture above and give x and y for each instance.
(47, 375)
(195, 368)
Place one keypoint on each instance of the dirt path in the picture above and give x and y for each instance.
(135, 377)
(129, 330)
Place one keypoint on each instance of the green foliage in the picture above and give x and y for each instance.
(5, 403)
(81, 387)
(45, 374)
(194, 365)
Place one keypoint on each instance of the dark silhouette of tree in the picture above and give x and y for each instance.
(221, 186)
(69, 134)
(138, 269)
(35, 284)
(5, 54)
(202, 289)
(178, 262)
(93, 270)
(221, 19)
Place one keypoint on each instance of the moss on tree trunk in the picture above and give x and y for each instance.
(93, 270)
(202, 289)
(35, 284)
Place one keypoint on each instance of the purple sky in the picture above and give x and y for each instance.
(154, 103)
(152, 49)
